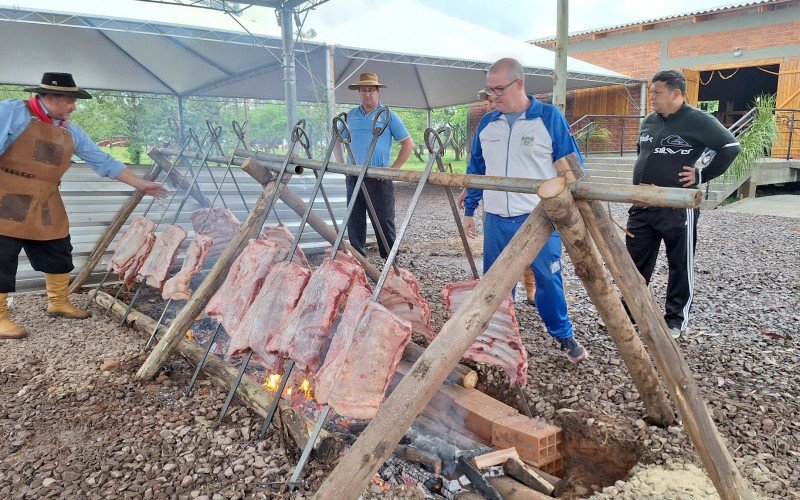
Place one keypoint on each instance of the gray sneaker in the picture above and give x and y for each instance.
(574, 351)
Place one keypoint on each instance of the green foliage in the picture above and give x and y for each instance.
(757, 141)
(600, 135)
(12, 92)
(144, 119)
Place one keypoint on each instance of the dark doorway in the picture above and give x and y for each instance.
(729, 93)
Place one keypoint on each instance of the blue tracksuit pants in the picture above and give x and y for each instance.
(549, 297)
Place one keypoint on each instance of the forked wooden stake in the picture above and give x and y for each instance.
(678, 378)
(560, 206)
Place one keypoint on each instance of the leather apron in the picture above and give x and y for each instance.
(31, 168)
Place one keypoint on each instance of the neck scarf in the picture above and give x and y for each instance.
(36, 108)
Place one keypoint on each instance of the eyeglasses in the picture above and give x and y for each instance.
(498, 91)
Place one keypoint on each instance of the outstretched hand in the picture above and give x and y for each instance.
(154, 189)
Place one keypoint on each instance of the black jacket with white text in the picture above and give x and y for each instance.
(668, 144)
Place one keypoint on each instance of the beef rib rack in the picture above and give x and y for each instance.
(177, 287)
(156, 267)
(304, 332)
(501, 343)
(219, 223)
(363, 357)
(243, 282)
(400, 294)
(132, 248)
(278, 297)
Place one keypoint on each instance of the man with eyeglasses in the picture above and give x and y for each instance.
(521, 137)
(360, 122)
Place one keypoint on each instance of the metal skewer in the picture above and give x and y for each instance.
(239, 131)
(345, 140)
(236, 128)
(339, 125)
(526, 407)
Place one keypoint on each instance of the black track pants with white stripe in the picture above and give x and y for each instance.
(677, 227)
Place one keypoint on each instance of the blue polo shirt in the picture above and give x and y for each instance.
(360, 125)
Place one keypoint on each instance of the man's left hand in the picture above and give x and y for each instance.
(687, 177)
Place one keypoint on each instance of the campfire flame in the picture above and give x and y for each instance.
(271, 382)
(190, 335)
(305, 387)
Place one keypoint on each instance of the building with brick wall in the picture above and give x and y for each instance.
(730, 56)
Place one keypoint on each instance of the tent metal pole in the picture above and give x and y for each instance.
(330, 86)
(181, 125)
(560, 66)
(289, 77)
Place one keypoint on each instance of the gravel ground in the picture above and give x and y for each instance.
(76, 424)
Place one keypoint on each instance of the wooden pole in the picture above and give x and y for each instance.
(560, 206)
(327, 448)
(624, 193)
(352, 475)
(678, 378)
(462, 375)
(110, 232)
(194, 306)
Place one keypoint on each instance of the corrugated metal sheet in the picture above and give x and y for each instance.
(712, 10)
(92, 203)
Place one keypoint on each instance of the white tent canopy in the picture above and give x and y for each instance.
(427, 58)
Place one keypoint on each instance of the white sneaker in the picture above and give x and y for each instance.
(676, 333)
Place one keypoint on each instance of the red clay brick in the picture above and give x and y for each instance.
(537, 442)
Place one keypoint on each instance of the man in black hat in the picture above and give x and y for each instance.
(37, 142)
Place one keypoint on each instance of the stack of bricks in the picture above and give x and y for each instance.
(492, 422)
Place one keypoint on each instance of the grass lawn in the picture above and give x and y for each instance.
(459, 167)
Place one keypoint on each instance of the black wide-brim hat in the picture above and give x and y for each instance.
(59, 84)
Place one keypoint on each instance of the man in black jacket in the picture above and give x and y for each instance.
(671, 140)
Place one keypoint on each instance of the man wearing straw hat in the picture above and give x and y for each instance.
(381, 192)
(37, 142)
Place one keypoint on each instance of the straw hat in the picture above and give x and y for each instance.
(59, 84)
(366, 80)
